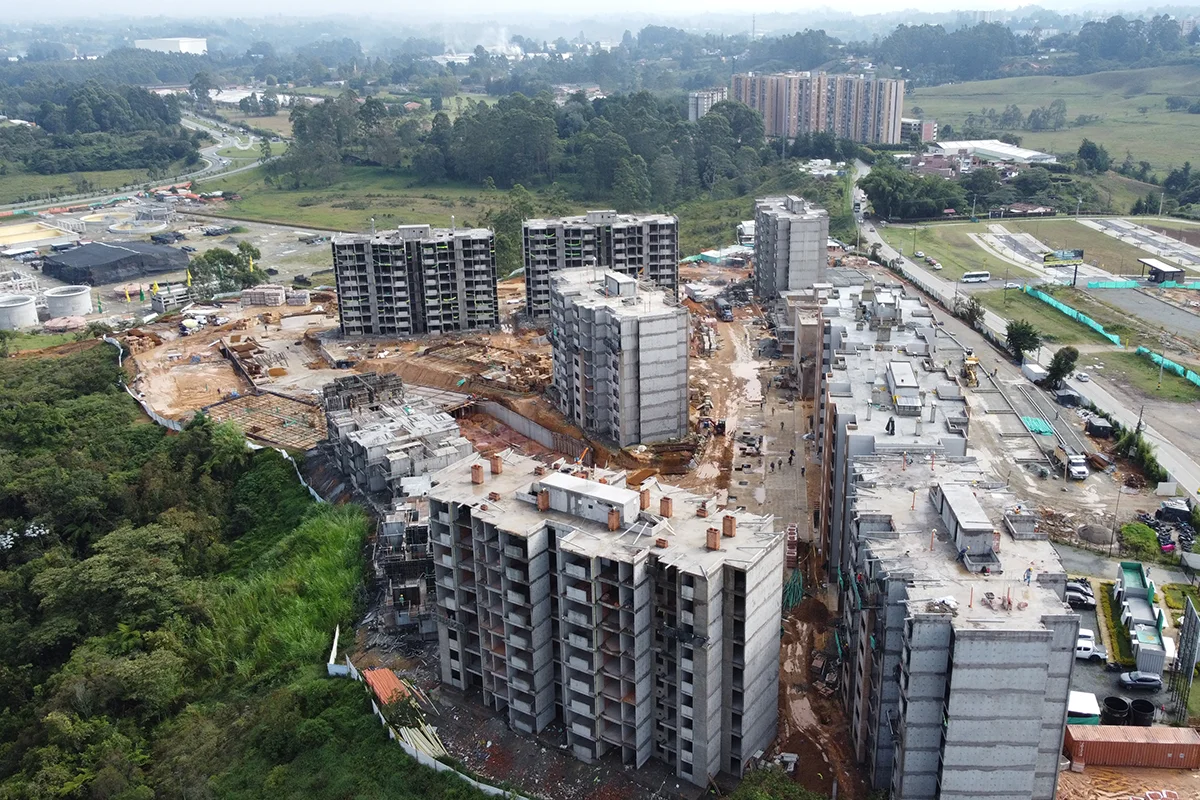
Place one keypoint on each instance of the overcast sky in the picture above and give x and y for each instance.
(482, 10)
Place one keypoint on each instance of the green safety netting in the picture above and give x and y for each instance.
(793, 591)
(1168, 364)
(1112, 284)
(1073, 314)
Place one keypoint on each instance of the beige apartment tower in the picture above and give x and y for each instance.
(861, 108)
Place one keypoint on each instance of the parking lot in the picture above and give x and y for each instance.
(1094, 676)
(1146, 239)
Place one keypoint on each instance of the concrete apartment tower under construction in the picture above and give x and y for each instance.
(416, 279)
(791, 245)
(956, 647)
(620, 356)
(646, 621)
(639, 245)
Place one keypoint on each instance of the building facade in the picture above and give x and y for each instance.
(620, 356)
(700, 102)
(861, 108)
(958, 649)
(639, 245)
(177, 44)
(926, 129)
(791, 238)
(416, 280)
(628, 616)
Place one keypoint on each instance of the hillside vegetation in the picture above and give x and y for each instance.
(166, 602)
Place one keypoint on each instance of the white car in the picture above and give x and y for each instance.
(919, 254)
(937, 267)
(1082, 376)
(1011, 285)
(1086, 634)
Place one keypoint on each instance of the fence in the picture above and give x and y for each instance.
(348, 670)
(1112, 284)
(1177, 285)
(1170, 365)
(1073, 314)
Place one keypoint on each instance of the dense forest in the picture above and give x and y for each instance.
(166, 603)
(95, 126)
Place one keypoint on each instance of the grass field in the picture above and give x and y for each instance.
(20, 342)
(952, 247)
(350, 204)
(1056, 328)
(1163, 138)
(1142, 374)
(281, 123)
(16, 187)
(1098, 248)
(1119, 192)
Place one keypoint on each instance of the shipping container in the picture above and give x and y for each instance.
(1122, 746)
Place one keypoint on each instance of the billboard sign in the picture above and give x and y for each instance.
(1187, 653)
(1062, 258)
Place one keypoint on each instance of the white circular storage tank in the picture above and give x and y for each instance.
(69, 301)
(17, 311)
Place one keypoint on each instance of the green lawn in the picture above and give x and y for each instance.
(1141, 374)
(1056, 328)
(281, 123)
(1068, 234)
(1163, 138)
(252, 153)
(20, 342)
(350, 204)
(19, 187)
(1119, 192)
(1174, 593)
(951, 245)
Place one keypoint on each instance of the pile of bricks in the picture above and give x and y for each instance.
(266, 294)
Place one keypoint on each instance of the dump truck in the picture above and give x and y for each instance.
(1074, 464)
(724, 310)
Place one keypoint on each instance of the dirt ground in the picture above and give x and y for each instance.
(1110, 783)
(813, 725)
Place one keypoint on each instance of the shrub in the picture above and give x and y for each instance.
(1118, 636)
(1139, 540)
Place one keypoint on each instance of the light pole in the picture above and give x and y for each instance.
(1116, 516)
(1162, 349)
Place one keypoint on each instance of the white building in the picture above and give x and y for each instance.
(993, 150)
(620, 356)
(790, 252)
(642, 623)
(176, 44)
(699, 103)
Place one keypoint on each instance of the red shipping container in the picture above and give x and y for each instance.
(1129, 746)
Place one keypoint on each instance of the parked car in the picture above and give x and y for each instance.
(1082, 376)
(937, 266)
(1012, 285)
(1079, 600)
(1086, 634)
(919, 254)
(1090, 651)
(1142, 680)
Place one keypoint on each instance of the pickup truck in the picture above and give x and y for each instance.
(1088, 650)
(1076, 465)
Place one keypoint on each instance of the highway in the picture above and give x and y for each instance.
(213, 165)
(1182, 466)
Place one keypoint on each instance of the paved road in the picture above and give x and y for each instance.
(1138, 303)
(1159, 428)
(213, 165)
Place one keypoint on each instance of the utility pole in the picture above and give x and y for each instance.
(1160, 203)
(1116, 516)
(1162, 349)
(1137, 431)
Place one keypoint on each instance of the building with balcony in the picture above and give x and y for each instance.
(415, 279)
(646, 623)
(862, 108)
(620, 350)
(642, 246)
(956, 647)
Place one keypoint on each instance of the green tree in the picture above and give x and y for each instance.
(200, 86)
(227, 271)
(1061, 365)
(264, 149)
(506, 221)
(631, 185)
(1021, 338)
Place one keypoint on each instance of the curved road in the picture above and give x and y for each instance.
(213, 165)
(1179, 463)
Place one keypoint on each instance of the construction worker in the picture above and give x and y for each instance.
(791, 458)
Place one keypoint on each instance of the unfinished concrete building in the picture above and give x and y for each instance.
(956, 648)
(791, 237)
(385, 442)
(639, 245)
(620, 356)
(641, 622)
(416, 280)
(402, 559)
